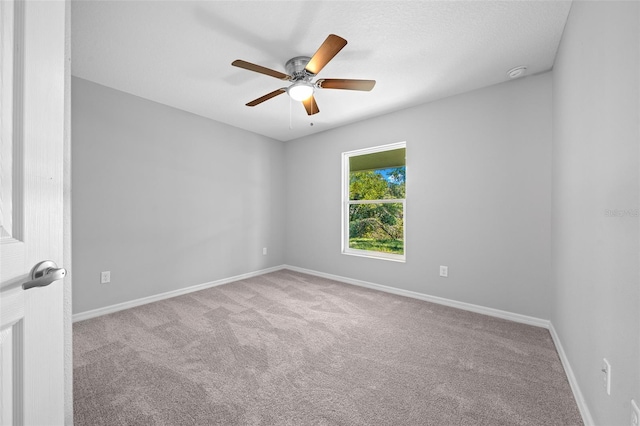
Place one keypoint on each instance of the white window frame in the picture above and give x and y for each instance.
(346, 203)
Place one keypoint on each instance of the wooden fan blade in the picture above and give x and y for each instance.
(258, 68)
(330, 48)
(347, 84)
(310, 105)
(266, 97)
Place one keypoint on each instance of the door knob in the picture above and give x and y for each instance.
(43, 274)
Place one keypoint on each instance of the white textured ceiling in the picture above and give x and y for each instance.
(179, 53)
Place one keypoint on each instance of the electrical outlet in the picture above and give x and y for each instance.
(444, 271)
(606, 375)
(105, 277)
(264, 251)
(635, 414)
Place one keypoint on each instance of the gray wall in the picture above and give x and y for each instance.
(165, 199)
(595, 168)
(478, 197)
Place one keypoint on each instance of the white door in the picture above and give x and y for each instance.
(31, 210)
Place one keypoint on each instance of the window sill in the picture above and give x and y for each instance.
(375, 255)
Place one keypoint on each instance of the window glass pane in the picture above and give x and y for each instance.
(379, 184)
(377, 227)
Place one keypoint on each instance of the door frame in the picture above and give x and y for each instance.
(66, 229)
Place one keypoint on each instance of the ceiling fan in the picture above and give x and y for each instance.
(301, 70)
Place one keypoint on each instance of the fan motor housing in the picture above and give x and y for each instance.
(296, 68)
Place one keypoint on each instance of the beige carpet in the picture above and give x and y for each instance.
(291, 349)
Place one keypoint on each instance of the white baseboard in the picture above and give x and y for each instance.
(577, 393)
(133, 303)
(524, 319)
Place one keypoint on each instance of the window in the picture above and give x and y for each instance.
(373, 208)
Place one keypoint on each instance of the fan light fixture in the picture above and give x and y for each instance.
(300, 91)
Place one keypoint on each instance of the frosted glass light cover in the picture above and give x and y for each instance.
(300, 91)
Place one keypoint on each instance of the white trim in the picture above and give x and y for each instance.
(573, 382)
(149, 299)
(511, 316)
(378, 148)
(374, 255)
(523, 319)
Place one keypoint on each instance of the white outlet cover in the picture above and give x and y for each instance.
(444, 271)
(105, 277)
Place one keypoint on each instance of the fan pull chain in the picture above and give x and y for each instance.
(290, 120)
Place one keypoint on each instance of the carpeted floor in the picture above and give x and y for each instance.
(291, 349)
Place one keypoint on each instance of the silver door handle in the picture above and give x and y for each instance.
(43, 274)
